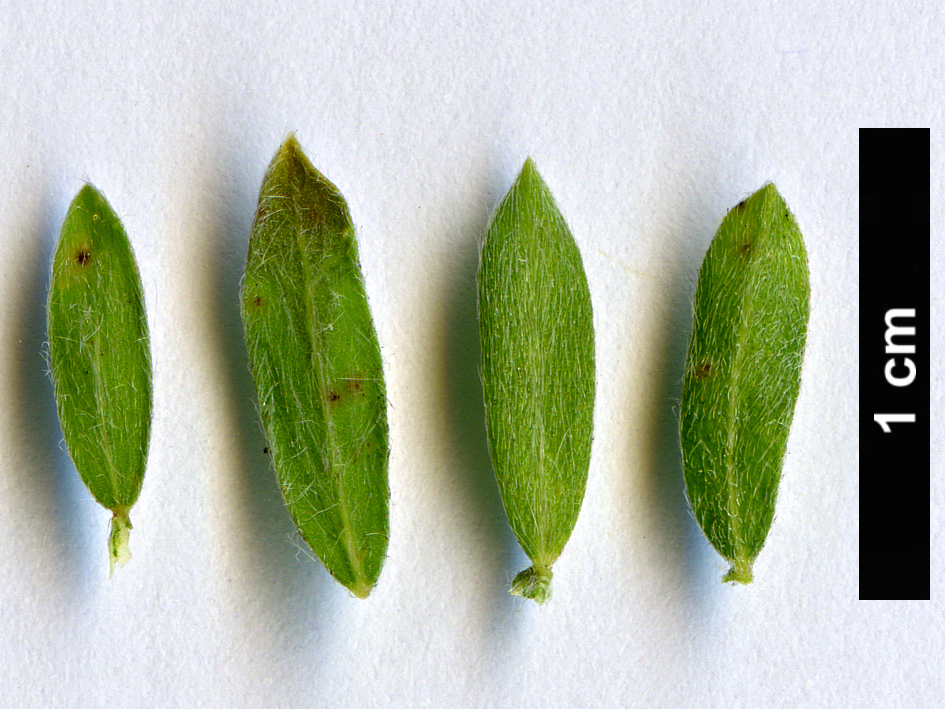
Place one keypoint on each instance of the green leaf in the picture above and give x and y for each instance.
(100, 358)
(743, 374)
(537, 335)
(317, 366)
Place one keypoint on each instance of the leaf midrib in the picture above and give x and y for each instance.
(333, 462)
(742, 329)
(100, 402)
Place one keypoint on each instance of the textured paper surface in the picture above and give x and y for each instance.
(648, 123)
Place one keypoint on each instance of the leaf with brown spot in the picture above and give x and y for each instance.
(315, 331)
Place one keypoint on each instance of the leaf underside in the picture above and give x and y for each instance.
(743, 374)
(537, 337)
(316, 363)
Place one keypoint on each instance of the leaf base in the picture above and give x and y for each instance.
(740, 573)
(119, 552)
(534, 583)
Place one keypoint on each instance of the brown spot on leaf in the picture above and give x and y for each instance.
(83, 256)
(703, 370)
(744, 249)
(258, 301)
(740, 206)
(344, 388)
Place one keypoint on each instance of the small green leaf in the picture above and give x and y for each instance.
(100, 359)
(317, 366)
(537, 334)
(743, 374)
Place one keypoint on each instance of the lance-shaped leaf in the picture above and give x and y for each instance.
(317, 366)
(743, 374)
(100, 359)
(537, 336)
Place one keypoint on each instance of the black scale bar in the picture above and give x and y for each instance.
(894, 470)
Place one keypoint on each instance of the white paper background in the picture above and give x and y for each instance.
(648, 121)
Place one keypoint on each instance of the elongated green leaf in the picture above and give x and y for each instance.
(100, 358)
(317, 366)
(743, 374)
(537, 335)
